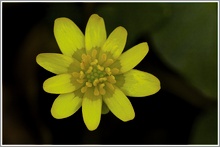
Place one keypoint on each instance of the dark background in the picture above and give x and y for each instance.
(183, 54)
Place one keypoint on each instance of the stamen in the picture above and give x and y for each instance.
(94, 62)
(108, 62)
(96, 91)
(82, 66)
(84, 89)
(101, 89)
(115, 71)
(102, 79)
(89, 70)
(94, 53)
(108, 70)
(75, 74)
(110, 86)
(95, 82)
(88, 84)
(84, 57)
(96, 73)
(111, 79)
(80, 80)
(81, 75)
(103, 58)
(100, 67)
(88, 58)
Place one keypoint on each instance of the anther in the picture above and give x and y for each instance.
(94, 53)
(81, 75)
(94, 62)
(75, 74)
(82, 65)
(100, 67)
(110, 86)
(111, 79)
(89, 70)
(84, 89)
(88, 84)
(84, 57)
(108, 62)
(95, 82)
(80, 80)
(96, 91)
(102, 79)
(104, 57)
(115, 71)
(101, 89)
(108, 70)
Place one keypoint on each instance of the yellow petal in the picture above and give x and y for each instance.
(57, 63)
(105, 109)
(91, 109)
(119, 104)
(138, 83)
(68, 36)
(129, 59)
(95, 34)
(116, 42)
(65, 105)
(60, 84)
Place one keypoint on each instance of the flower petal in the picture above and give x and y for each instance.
(65, 105)
(68, 36)
(119, 104)
(57, 63)
(129, 59)
(60, 84)
(95, 34)
(116, 42)
(138, 83)
(91, 109)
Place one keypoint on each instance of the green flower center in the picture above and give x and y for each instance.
(95, 73)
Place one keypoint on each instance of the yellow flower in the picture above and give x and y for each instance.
(92, 72)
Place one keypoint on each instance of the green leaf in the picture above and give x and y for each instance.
(188, 43)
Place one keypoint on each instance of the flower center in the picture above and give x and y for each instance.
(95, 73)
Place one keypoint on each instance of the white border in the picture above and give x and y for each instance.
(109, 1)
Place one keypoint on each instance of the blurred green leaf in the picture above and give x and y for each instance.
(205, 129)
(188, 42)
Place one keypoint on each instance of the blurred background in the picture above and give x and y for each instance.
(183, 54)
